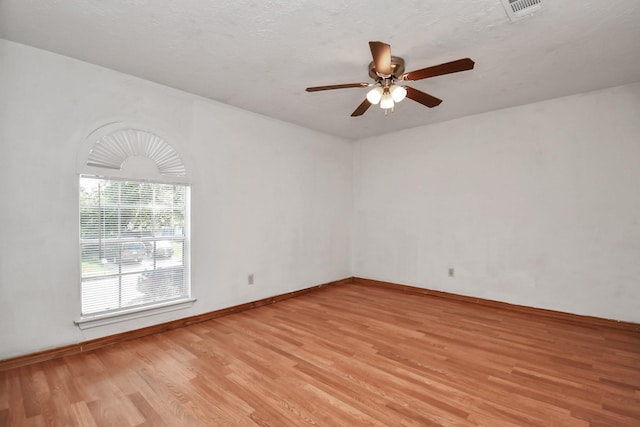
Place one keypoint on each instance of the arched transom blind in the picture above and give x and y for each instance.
(110, 151)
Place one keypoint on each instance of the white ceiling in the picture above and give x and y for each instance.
(260, 55)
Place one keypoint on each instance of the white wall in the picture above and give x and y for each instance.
(268, 197)
(537, 205)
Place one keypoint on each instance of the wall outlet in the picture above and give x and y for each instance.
(451, 272)
(250, 279)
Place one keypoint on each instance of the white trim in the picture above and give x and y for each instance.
(87, 322)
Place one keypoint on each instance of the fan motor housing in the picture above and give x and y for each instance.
(397, 67)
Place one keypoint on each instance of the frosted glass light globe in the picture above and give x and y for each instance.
(375, 95)
(397, 92)
(386, 102)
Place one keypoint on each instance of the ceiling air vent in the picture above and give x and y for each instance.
(518, 9)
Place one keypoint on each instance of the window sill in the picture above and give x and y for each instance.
(135, 313)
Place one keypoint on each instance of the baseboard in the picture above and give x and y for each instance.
(566, 317)
(85, 346)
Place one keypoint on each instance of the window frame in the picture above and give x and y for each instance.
(144, 309)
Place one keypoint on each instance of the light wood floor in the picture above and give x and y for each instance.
(343, 356)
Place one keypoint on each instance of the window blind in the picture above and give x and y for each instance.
(133, 244)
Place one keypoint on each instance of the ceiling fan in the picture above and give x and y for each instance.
(388, 73)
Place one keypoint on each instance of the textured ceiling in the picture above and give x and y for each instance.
(260, 55)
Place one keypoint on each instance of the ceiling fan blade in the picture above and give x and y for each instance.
(362, 108)
(423, 98)
(438, 70)
(381, 53)
(342, 86)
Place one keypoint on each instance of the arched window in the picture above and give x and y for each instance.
(113, 149)
(134, 226)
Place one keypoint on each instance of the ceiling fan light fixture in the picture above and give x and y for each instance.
(386, 102)
(388, 75)
(375, 95)
(398, 93)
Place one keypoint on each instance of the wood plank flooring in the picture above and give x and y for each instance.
(347, 355)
